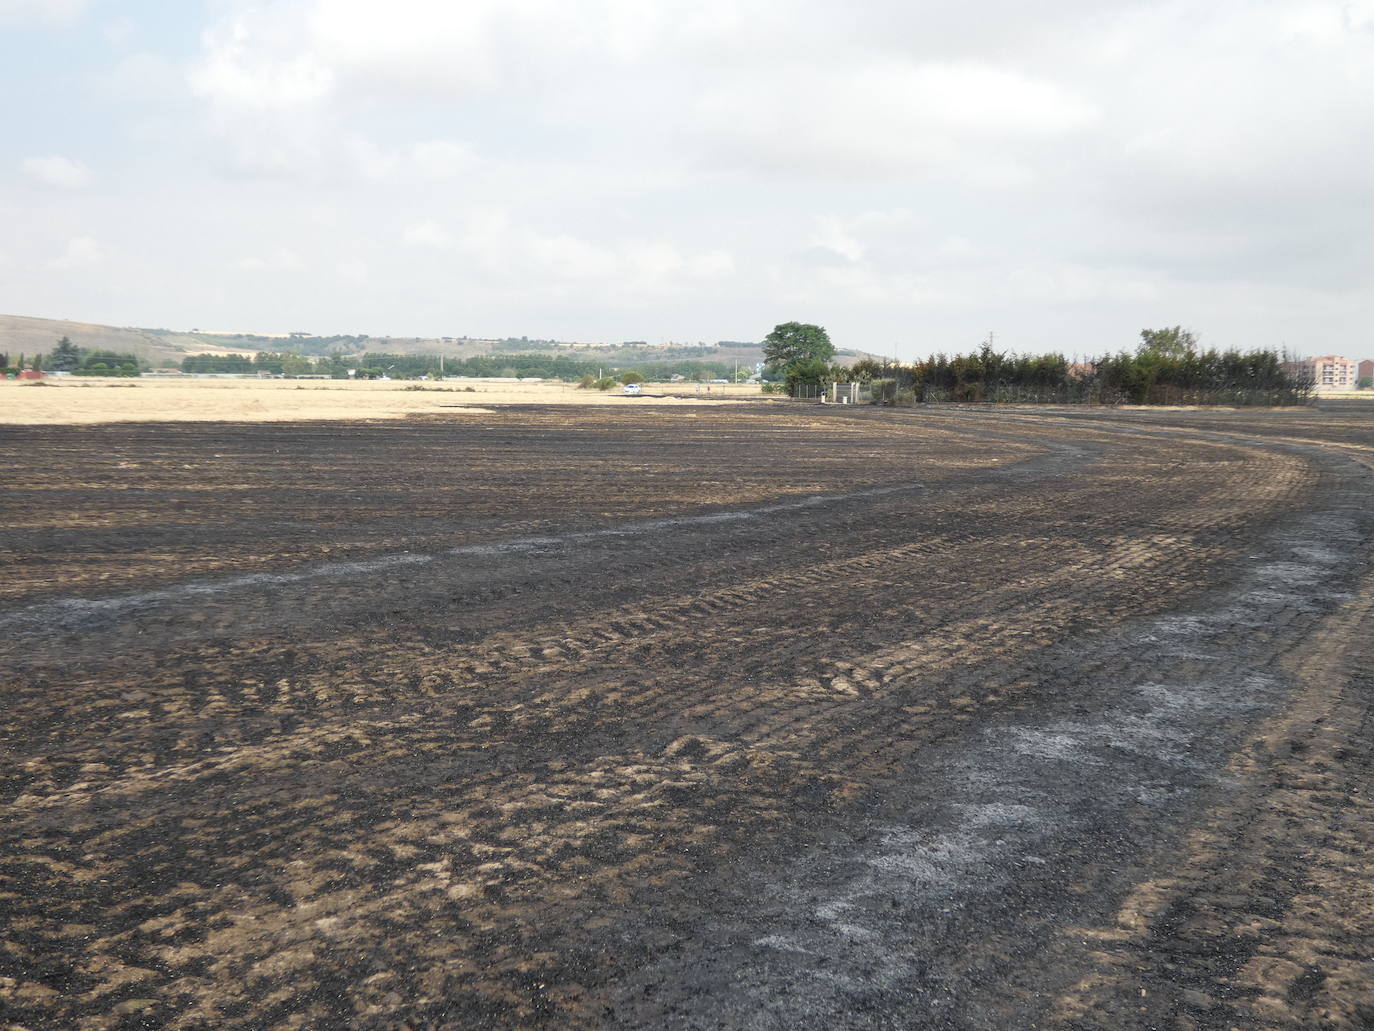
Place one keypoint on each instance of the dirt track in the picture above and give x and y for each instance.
(718, 718)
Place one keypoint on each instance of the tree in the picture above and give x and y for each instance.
(866, 370)
(65, 356)
(1173, 342)
(792, 343)
(1364, 383)
(812, 372)
(296, 365)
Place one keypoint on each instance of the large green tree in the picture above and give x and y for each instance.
(65, 356)
(795, 343)
(1172, 342)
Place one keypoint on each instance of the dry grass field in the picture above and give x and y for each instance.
(694, 716)
(174, 399)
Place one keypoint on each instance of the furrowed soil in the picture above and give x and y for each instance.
(731, 717)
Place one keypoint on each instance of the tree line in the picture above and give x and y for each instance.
(374, 365)
(78, 361)
(81, 361)
(1166, 368)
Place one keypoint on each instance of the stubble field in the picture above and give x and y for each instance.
(689, 717)
(89, 401)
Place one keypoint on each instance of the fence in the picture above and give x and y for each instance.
(834, 393)
(890, 393)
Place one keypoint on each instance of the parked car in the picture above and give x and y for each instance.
(632, 389)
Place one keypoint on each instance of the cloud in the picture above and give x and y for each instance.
(919, 172)
(441, 159)
(283, 259)
(428, 234)
(884, 119)
(352, 270)
(56, 171)
(368, 159)
(80, 251)
(489, 250)
(249, 66)
(276, 57)
(52, 12)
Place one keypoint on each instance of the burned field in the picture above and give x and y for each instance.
(731, 718)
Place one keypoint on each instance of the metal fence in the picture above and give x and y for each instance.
(834, 393)
(891, 393)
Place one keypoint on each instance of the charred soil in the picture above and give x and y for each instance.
(697, 718)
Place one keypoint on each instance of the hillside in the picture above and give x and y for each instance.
(23, 334)
(28, 335)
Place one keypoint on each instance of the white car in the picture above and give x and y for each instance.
(632, 389)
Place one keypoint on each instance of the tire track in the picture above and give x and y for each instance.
(500, 831)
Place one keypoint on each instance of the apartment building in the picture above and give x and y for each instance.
(1329, 372)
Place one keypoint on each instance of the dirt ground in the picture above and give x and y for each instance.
(741, 716)
(72, 401)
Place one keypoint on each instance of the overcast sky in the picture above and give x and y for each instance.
(910, 175)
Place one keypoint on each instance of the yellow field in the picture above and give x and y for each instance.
(150, 399)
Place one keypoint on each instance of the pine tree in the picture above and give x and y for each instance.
(65, 356)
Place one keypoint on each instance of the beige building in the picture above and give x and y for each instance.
(1329, 372)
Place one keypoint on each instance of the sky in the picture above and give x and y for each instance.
(913, 176)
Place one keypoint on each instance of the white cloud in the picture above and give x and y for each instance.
(896, 171)
(1358, 15)
(56, 171)
(370, 160)
(53, 12)
(428, 234)
(837, 236)
(441, 159)
(80, 251)
(276, 57)
(352, 270)
(958, 249)
(488, 248)
(885, 119)
(249, 66)
(283, 259)
(1067, 283)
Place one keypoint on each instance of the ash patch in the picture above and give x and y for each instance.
(866, 932)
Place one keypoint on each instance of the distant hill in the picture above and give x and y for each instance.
(20, 333)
